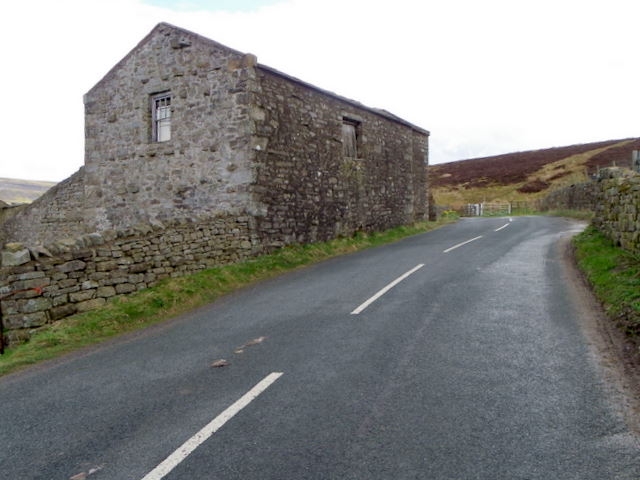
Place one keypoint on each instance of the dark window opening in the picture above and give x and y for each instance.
(350, 137)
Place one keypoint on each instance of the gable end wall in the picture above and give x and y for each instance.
(204, 169)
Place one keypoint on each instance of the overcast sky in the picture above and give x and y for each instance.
(485, 77)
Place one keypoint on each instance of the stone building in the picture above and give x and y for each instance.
(198, 156)
(184, 127)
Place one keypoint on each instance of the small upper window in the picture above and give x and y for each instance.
(350, 133)
(161, 117)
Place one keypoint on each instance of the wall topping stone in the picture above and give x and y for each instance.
(76, 279)
(15, 254)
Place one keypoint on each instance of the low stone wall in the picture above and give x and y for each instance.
(617, 212)
(579, 196)
(44, 284)
(9, 211)
(614, 197)
(58, 213)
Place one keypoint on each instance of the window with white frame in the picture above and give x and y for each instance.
(161, 117)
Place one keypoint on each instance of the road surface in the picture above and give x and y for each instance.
(456, 354)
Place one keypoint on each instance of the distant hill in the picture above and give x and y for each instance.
(524, 175)
(22, 191)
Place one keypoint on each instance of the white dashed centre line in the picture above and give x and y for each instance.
(386, 289)
(194, 442)
(461, 244)
(503, 226)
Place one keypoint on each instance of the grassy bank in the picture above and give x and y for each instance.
(615, 277)
(175, 296)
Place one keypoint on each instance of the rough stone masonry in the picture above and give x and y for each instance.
(185, 131)
(614, 197)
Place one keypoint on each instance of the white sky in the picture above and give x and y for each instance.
(485, 77)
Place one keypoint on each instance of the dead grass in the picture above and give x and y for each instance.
(617, 155)
(564, 166)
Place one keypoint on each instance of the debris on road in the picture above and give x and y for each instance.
(250, 343)
(84, 475)
(220, 363)
(255, 341)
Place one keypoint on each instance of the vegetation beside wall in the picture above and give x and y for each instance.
(614, 274)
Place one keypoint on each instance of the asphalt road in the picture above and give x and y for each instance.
(473, 366)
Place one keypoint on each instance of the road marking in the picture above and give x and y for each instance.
(194, 442)
(386, 289)
(511, 220)
(461, 244)
(503, 226)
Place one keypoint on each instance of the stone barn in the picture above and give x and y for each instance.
(197, 156)
(184, 127)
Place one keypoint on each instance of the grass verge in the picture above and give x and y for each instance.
(615, 277)
(178, 295)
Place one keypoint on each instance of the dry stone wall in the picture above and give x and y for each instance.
(56, 214)
(579, 196)
(8, 211)
(617, 212)
(77, 275)
(614, 197)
